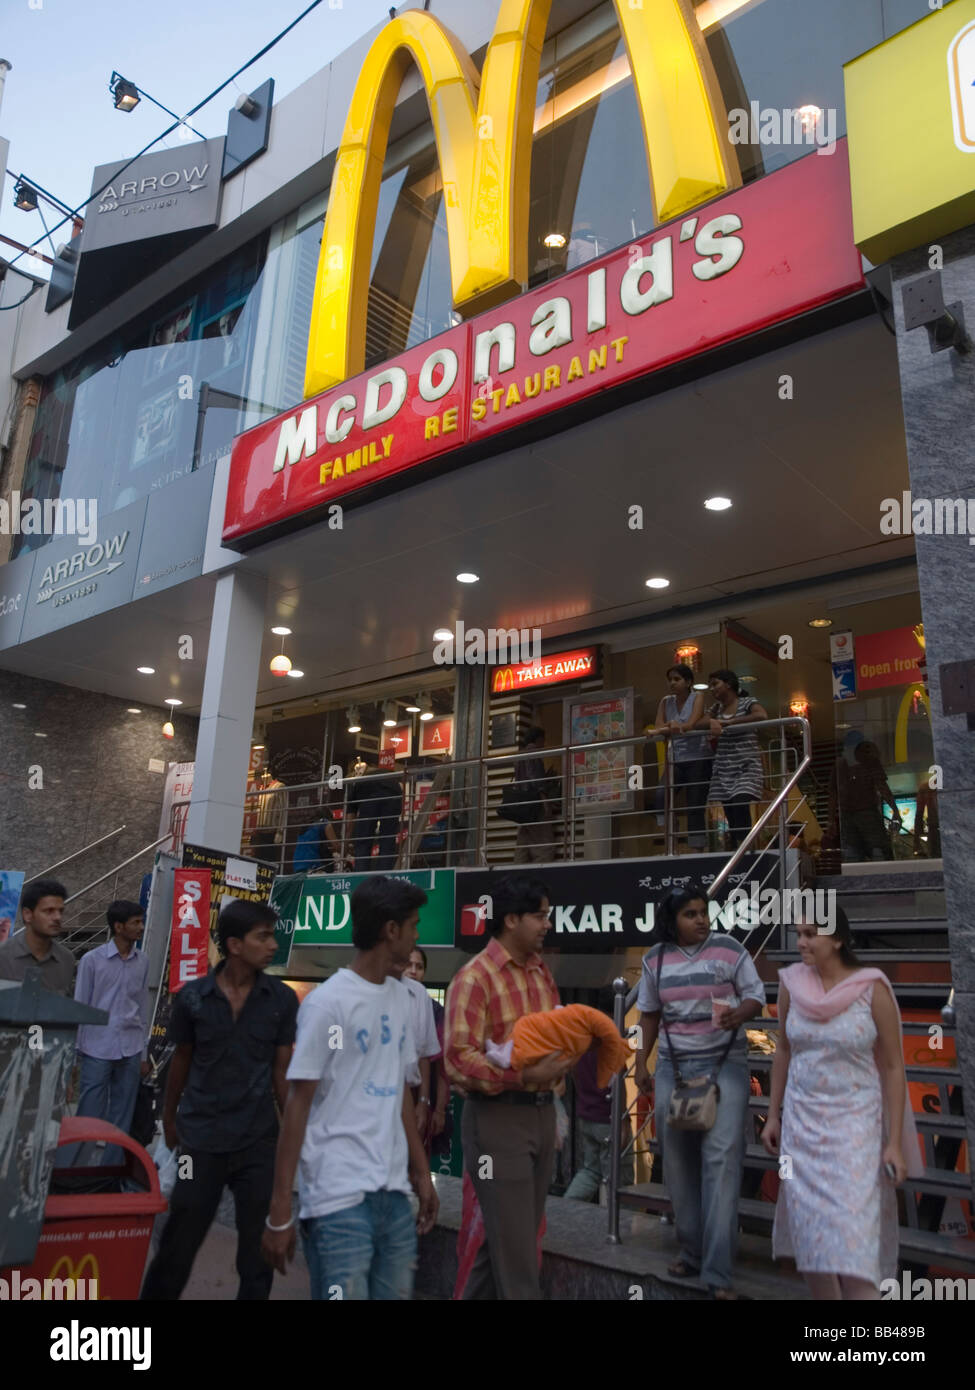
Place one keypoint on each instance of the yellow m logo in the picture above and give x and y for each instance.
(504, 680)
(483, 128)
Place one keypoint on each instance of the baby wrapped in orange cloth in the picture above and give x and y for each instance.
(569, 1030)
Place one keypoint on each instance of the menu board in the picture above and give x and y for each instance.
(600, 776)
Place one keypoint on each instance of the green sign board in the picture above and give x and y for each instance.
(316, 909)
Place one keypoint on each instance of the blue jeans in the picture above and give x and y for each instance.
(702, 1170)
(363, 1252)
(108, 1092)
(593, 1169)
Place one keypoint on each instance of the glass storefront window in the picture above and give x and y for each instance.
(121, 421)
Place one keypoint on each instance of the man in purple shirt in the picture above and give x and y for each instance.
(114, 977)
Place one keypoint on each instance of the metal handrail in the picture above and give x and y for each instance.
(118, 867)
(44, 872)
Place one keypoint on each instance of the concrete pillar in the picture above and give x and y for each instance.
(216, 814)
(938, 392)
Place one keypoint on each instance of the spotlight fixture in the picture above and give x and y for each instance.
(146, 670)
(133, 710)
(281, 631)
(246, 105)
(295, 674)
(172, 702)
(16, 706)
(809, 116)
(466, 577)
(126, 94)
(355, 727)
(426, 707)
(414, 708)
(257, 747)
(717, 504)
(443, 634)
(820, 622)
(554, 241)
(167, 730)
(37, 735)
(389, 714)
(658, 583)
(799, 706)
(25, 197)
(701, 685)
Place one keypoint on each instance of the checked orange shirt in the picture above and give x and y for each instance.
(483, 1001)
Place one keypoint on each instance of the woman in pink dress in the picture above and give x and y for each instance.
(845, 1134)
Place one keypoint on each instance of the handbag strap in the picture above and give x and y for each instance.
(670, 1046)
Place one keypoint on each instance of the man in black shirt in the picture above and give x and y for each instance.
(233, 1032)
(374, 807)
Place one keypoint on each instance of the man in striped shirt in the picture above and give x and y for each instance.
(508, 1127)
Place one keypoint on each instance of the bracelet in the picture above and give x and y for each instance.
(286, 1227)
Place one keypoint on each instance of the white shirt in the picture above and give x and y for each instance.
(355, 1040)
(424, 1025)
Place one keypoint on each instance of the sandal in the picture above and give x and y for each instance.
(680, 1269)
(724, 1295)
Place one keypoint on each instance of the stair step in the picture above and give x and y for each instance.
(919, 924)
(914, 1244)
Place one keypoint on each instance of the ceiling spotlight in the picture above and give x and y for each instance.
(389, 715)
(172, 702)
(281, 631)
(126, 94)
(414, 708)
(443, 634)
(717, 504)
(168, 731)
(37, 735)
(280, 664)
(820, 622)
(16, 706)
(555, 241)
(25, 197)
(701, 685)
(246, 105)
(465, 577)
(426, 707)
(146, 670)
(658, 583)
(809, 116)
(355, 727)
(749, 680)
(295, 674)
(132, 710)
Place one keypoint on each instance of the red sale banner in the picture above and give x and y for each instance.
(191, 926)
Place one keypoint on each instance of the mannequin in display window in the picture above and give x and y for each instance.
(265, 816)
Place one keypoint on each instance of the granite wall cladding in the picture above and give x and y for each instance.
(938, 391)
(95, 764)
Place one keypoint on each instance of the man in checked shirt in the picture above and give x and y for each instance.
(508, 1117)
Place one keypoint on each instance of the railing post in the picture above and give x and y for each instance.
(670, 828)
(569, 811)
(616, 1123)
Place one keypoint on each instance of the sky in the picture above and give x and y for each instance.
(58, 114)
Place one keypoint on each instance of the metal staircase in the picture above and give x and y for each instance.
(899, 926)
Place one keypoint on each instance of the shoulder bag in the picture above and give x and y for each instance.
(693, 1104)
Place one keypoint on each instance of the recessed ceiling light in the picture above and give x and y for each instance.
(16, 706)
(700, 686)
(717, 504)
(412, 709)
(555, 240)
(172, 701)
(132, 710)
(465, 577)
(749, 680)
(442, 634)
(296, 675)
(37, 735)
(427, 714)
(820, 622)
(146, 670)
(658, 583)
(281, 631)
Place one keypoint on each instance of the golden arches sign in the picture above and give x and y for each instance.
(483, 127)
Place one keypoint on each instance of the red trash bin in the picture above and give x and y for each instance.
(102, 1236)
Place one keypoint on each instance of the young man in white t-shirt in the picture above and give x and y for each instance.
(424, 1026)
(349, 1117)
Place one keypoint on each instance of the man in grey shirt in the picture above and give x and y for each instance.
(37, 948)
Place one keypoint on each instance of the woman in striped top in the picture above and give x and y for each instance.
(699, 987)
(737, 778)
